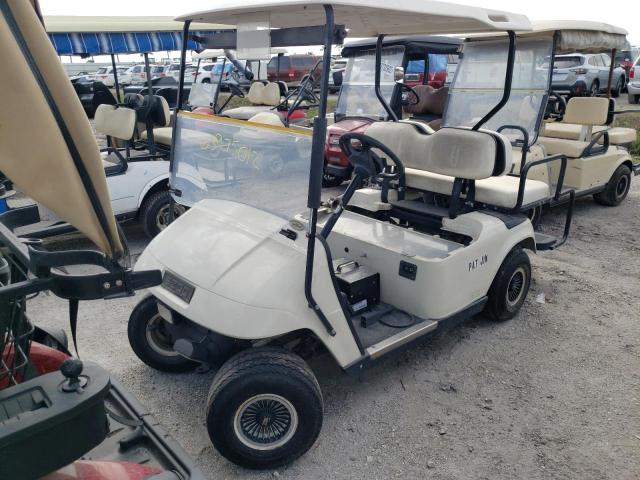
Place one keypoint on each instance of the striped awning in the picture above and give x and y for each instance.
(101, 43)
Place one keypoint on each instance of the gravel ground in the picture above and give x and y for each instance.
(552, 394)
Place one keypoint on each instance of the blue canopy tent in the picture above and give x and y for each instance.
(86, 36)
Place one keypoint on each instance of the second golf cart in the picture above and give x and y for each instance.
(257, 286)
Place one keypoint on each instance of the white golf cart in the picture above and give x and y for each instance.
(540, 122)
(256, 286)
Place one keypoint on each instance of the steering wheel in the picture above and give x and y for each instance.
(368, 163)
(236, 90)
(556, 105)
(407, 92)
(306, 92)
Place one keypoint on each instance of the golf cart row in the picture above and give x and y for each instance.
(432, 228)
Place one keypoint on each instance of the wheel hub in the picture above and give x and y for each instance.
(515, 288)
(266, 422)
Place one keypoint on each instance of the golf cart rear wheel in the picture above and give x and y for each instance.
(510, 286)
(617, 188)
(151, 341)
(155, 212)
(264, 409)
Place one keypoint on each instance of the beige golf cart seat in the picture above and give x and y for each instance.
(118, 124)
(430, 106)
(263, 98)
(583, 117)
(432, 162)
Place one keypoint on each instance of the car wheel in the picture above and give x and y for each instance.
(617, 188)
(633, 99)
(264, 408)
(615, 93)
(150, 340)
(155, 212)
(595, 89)
(510, 286)
(206, 80)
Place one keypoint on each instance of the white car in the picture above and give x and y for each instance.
(137, 74)
(633, 87)
(105, 75)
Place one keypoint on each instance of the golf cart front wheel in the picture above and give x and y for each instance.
(510, 286)
(617, 188)
(264, 409)
(151, 341)
(155, 212)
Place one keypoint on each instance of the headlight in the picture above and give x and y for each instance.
(334, 140)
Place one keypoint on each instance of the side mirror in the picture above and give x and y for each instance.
(398, 74)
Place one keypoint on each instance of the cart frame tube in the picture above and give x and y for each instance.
(511, 58)
(115, 77)
(317, 168)
(390, 112)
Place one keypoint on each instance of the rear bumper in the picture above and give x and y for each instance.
(577, 88)
(338, 170)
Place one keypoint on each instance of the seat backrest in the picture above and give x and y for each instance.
(456, 152)
(117, 122)
(255, 93)
(430, 101)
(589, 111)
(271, 94)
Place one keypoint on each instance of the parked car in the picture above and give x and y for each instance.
(336, 74)
(633, 87)
(438, 73)
(204, 73)
(580, 74)
(293, 68)
(231, 74)
(138, 75)
(105, 75)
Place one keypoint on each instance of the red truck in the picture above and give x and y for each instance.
(290, 68)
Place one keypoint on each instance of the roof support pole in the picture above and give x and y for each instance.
(317, 170)
(511, 59)
(115, 78)
(611, 67)
(390, 112)
(151, 144)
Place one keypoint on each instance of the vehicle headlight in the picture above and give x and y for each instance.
(334, 140)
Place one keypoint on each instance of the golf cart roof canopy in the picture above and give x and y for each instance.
(581, 36)
(416, 42)
(367, 18)
(84, 35)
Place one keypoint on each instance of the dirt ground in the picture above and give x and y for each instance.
(552, 394)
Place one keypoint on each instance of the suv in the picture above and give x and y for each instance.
(293, 68)
(438, 70)
(105, 75)
(626, 58)
(586, 75)
(633, 87)
(138, 75)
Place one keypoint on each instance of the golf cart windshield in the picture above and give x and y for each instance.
(254, 164)
(357, 96)
(480, 81)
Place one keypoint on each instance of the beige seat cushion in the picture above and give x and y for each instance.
(117, 122)
(568, 131)
(245, 113)
(570, 148)
(587, 111)
(267, 118)
(163, 135)
(271, 94)
(498, 191)
(255, 93)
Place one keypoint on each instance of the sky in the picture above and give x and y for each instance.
(626, 15)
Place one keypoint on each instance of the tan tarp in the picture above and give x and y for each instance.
(33, 151)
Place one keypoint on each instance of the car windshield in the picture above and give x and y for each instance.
(258, 165)
(479, 85)
(357, 96)
(102, 71)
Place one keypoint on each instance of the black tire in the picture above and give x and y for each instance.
(283, 382)
(151, 343)
(329, 180)
(615, 92)
(154, 213)
(535, 215)
(595, 89)
(206, 80)
(617, 188)
(510, 286)
(634, 99)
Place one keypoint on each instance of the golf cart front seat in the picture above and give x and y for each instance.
(160, 116)
(571, 128)
(263, 97)
(119, 123)
(433, 162)
(430, 106)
